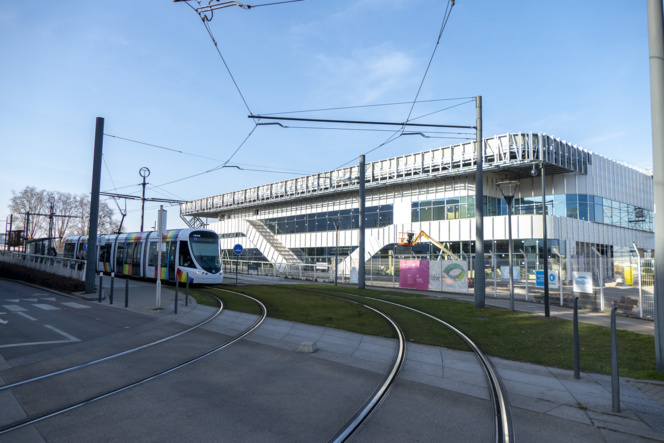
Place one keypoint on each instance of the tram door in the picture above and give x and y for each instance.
(172, 264)
(136, 260)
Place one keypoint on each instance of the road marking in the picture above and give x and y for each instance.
(14, 308)
(31, 300)
(26, 316)
(70, 339)
(46, 307)
(47, 298)
(4, 322)
(74, 305)
(64, 334)
(13, 300)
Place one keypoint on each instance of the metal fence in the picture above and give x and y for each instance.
(629, 282)
(66, 267)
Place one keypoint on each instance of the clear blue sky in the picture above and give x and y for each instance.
(575, 70)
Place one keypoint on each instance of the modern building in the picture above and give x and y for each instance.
(594, 205)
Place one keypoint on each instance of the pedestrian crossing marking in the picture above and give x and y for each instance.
(46, 307)
(14, 308)
(75, 305)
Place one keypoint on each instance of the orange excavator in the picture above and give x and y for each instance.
(410, 240)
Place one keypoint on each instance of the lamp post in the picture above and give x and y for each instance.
(144, 172)
(508, 189)
(547, 312)
(337, 221)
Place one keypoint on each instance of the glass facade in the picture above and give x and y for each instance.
(578, 206)
(375, 217)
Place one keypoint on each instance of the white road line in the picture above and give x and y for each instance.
(4, 322)
(13, 300)
(70, 339)
(26, 316)
(64, 334)
(14, 308)
(74, 305)
(47, 298)
(46, 307)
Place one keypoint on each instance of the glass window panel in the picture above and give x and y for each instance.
(572, 210)
(599, 213)
(572, 198)
(439, 212)
(452, 212)
(415, 215)
(425, 214)
(560, 209)
(463, 211)
(583, 198)
(583, 211)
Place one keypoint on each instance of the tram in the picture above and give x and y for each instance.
(186, 254)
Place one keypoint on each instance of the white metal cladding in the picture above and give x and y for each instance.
(502, 151)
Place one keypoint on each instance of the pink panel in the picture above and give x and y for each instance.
(414, 274)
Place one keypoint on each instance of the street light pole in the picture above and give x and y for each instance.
(547, 312)
(508, 189)
(144, 172)
(336, 253)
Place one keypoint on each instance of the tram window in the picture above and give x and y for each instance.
(185, 255)
(152, 254)
(69, 250)
(136, 259)
(119, 257)
(105, 253)
(128, 251)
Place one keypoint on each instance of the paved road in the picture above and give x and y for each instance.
(261, 389)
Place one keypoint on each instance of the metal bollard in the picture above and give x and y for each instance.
(127, 293)
(112, 284)
(177, 282)
(101, 284)
(615, 376)
(186, 292)
(577, 364)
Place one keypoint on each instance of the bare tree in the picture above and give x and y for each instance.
(71, 213)
(34, 201)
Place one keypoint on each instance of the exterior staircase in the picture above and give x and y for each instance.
(269, 244)
(371, 246)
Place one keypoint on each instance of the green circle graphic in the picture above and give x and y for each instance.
(452, 267)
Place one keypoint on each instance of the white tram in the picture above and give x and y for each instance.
(186, 253)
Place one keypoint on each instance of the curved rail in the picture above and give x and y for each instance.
(379, 394)
(30, 421)
(120, 354)
(503, 428)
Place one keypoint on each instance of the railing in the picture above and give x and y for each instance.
(67, 267)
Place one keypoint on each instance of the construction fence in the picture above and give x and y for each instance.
(598, 280)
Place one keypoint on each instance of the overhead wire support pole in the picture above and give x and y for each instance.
(424, 125)
(656, 56)
(478, 286)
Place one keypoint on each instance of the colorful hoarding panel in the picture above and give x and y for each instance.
(448, 276)
(414, 274)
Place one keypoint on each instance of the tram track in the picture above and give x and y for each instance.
(503, 429)
(36, 418)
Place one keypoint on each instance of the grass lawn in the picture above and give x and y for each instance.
(498, 332)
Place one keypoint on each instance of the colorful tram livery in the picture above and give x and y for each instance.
(185, 252)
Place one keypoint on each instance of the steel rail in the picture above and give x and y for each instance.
(503, 429)
(129, 351)
(379, 395)
(30, 421)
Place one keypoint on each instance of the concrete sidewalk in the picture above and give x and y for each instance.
(542, 390)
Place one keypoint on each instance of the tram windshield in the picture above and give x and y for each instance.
(205, 249)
